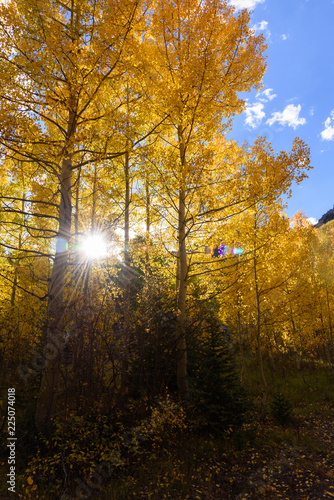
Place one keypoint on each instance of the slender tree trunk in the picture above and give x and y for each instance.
(181, 372)
(148, 228)
(46, 402)
(127, 271)
(258, 340)
(330, 327)
(242, 354)
(298, 351)
(241, 344)
(14, 288)
(88, 313)
(177, 273)
(94, 201)
(127, 211)
(270, 349)
(76, 226)
(92, 228)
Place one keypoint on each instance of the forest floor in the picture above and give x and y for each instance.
(300, 467)
(262, 461)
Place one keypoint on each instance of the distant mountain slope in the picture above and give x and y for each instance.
(326, 218)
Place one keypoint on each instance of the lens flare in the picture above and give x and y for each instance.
(94, 246)
(237, 251)
(222, 250)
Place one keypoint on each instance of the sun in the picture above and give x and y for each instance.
(94, 246)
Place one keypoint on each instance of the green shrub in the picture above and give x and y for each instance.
(79, 443)
(72, 451)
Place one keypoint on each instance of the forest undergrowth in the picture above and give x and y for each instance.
(161, 450)
(263, 459)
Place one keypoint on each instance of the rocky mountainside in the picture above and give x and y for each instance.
(326, 218)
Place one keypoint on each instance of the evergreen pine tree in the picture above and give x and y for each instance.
(219, 397)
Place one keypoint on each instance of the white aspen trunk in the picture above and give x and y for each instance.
(241, 344)
(297, 349)
(242, 355)
(76, 225)
(93, 219)
(13, 294)
(182, 281)
(258, 340)
(52, 352)
(148, 228)
(127, 271)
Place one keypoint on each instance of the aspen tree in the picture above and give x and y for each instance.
(201, 56)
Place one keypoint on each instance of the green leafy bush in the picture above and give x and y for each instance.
(78, 444)
(72, 451)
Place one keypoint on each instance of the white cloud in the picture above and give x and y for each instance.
(328, 133)
(254, 114)
(266, 95)
(245, 4)
(262, 26)
(289, 116)
(312, 220)
(284, 36)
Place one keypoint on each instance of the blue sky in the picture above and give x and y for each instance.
(297, 99)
